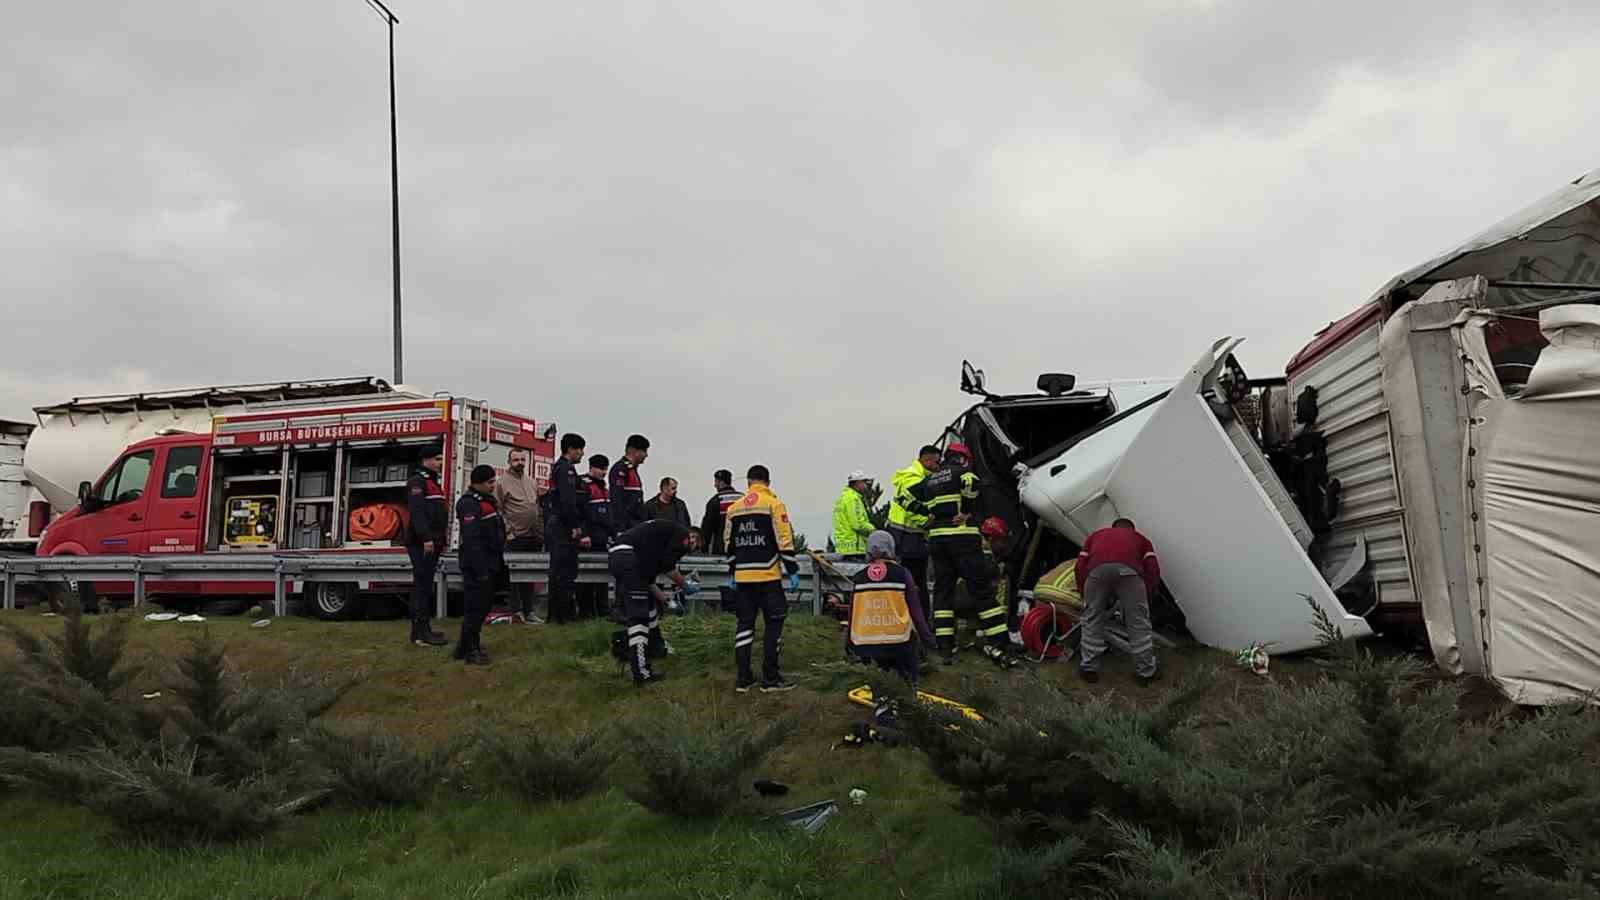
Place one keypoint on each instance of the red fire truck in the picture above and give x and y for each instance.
(308, 474)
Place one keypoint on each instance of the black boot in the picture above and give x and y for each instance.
(423, 635)
(639, 663)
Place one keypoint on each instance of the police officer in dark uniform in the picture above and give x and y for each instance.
(595, 503)
(627, 491)
(483, 560)
(717, 510)
(425, 540)
(636, 557)
(563, 529)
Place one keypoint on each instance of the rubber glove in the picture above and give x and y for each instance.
(691, 586)
(794, 581)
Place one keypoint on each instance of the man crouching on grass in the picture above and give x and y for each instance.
(636, 557)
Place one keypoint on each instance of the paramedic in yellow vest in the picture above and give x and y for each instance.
(760, 541)
(886, 620)
(910, 528)
(850, 522)
(955, 548)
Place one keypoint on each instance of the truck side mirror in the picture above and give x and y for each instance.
(972, 380)
(86, 497)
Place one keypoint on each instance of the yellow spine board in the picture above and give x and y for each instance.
(862, 696)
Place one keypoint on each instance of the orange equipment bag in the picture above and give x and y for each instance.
(378, 522)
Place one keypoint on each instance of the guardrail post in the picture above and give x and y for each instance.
(138, 583)
(280, 603)
(441, 592)
(10, 588)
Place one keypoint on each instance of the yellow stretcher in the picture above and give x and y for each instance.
(862, 696)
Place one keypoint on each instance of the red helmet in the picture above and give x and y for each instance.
(994, 528)
(959, 449)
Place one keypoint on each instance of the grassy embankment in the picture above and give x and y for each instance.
(905, 840)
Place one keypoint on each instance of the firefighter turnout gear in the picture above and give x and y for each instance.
(760, 545)
(955, 549)
(483, 544)
(562, 517)
(636, 557)
(427, 523)
(851, 524)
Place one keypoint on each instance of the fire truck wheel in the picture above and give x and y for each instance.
(332, 602)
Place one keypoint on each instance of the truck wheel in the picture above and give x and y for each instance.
(332, 602)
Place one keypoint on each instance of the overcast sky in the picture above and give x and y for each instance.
(756, 232)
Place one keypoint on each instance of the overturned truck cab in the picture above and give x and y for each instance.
(1426, 463)
(1187, 469)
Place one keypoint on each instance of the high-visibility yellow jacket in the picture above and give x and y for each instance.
(901, 503)
(851, 525)
(758, 537)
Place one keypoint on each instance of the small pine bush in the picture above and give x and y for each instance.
(541, 768)
(68, 690)
(692, 768)
(1366, 783)
(368, 769)
(160, 796)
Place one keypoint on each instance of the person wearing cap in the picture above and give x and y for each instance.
(760, 540)
(427, 524)
(563, 529)
(851, 525)
(595, 501)
(949, 497)
(717, 509)
(886, 620)
(483, 558)
(910, 529)
(627, 491)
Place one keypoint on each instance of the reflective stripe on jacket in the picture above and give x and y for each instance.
(758, 537)
(950, 495)
(879, 613)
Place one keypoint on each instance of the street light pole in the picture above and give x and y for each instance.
(394, 184)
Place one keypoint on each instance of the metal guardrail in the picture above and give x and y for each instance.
(289, 573)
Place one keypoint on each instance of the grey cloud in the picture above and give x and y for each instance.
(752, 231)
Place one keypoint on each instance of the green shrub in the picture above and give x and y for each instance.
(368, 769)
(160, 796)
(541, 768)
(1365, 783)
(691, 767)
(68, 690)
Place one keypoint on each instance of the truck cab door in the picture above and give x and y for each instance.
(175, 506)
(119, 524)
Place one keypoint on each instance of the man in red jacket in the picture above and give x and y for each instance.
(1118, 564)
